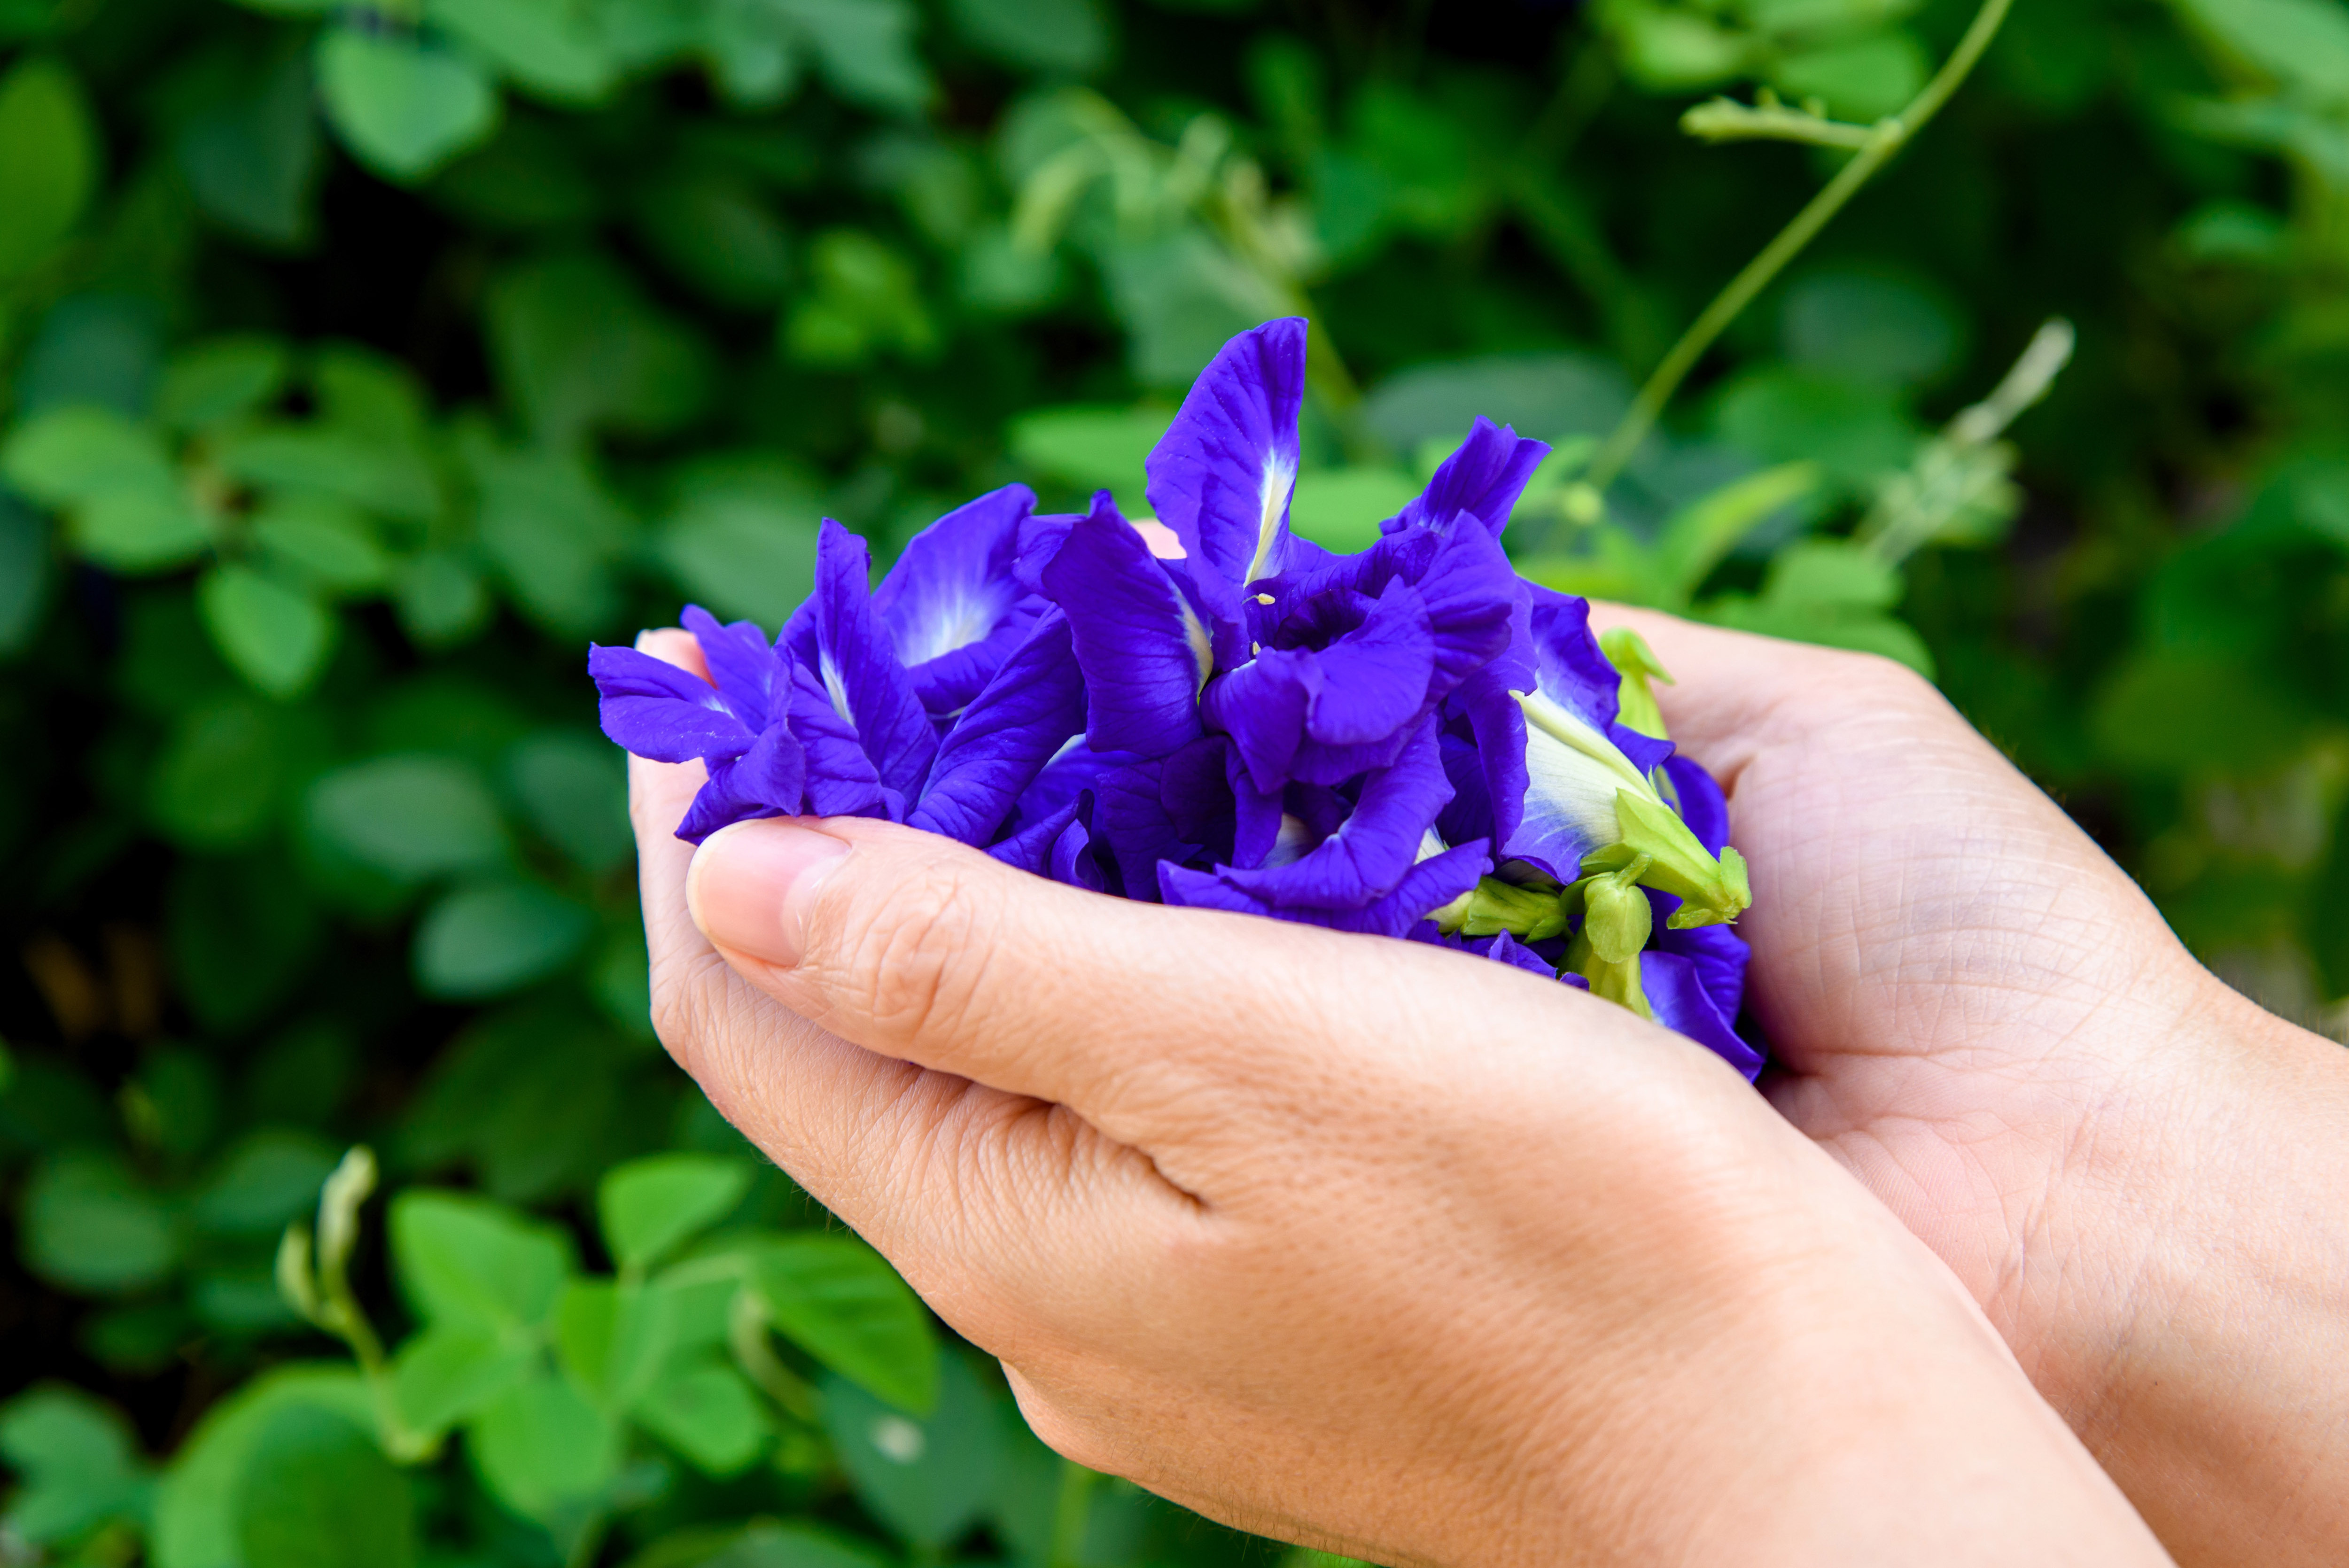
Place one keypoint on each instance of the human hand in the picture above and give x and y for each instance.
(2136, 1172)
(1347, 1241)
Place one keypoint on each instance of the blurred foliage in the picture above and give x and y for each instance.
(362, 361)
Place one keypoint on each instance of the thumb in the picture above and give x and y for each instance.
(923, 949)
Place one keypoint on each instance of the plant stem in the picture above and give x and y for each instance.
(1884, 139)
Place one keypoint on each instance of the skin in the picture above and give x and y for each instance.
(1359, 1244)
(2136, 1172)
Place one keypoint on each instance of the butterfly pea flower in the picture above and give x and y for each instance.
(735, 722)
(872, 749)
(954, 604)
(1206, 709)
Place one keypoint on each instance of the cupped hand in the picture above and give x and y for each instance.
(2138, 1173)
(1359, 1243)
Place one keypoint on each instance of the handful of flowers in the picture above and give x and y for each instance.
(1211, 711)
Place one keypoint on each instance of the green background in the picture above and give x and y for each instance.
(359, 364)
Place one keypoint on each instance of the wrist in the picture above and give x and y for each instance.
(2197, 1332)
(1854, 1408)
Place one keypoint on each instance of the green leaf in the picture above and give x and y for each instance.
(1783, 415)
(1541, 395)
(1091, 448)
(253, 157)
(269, 1180)
(2302, 42)
(1181, 298)
(575, 789)
(220, 379)
(195, 1509)
(1696, 538)
(553, 47)
(541, 1448)
(554, 532)
(403, 107)
(411, 818)
(841, 1301)
(1341, 508)
(442, 599)
(274, 635)
(326, 541)
(614, 1337)
(770, 1544)
(50, 161)
(1066, 37)
(652, 1206)
(741, 541)
(82, 451)
(710, 1414)
(488, 939)
(223, 770)
(76, 1465)
(577, 347)
(242, 933)
(2193, 716)
(139, 531)
(317, 1492)
(450, 1372)
(1861, 79)
(24, 573)
(867, 301)
(466, 1262)
(927, 1479)
(864, 48)
(89, 1225)
(719, 234)
(1871, 328)
(377, 471)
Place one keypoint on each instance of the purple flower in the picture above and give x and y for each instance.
(1365, 863)
(1253, 725)
(736, 726)
(953, 603)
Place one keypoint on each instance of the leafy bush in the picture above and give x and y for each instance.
(362, 361)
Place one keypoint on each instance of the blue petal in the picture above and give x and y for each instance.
(1373, 851)
(1681, 1003)
(1144, 648)
(954, 603)
(1504, 948)
(744, 666)
(767, 781)
(1131, 817)
(1031, 849)
(1221, 475)
(839, 636)
(661, 712)
(1428, 885)
(1482, 479)
(840, 779)
(1002, 741)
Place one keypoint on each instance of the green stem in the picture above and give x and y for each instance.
(1884, 139)
(1071, 1513)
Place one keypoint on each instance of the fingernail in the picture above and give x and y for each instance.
(751, 884)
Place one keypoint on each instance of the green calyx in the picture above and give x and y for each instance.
(1711, 892)
(1616, 924)
(1637, 664)
(1530, 913)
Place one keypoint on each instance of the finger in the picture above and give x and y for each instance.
(840, 1119)
(1160, 1026)
(1735, 693)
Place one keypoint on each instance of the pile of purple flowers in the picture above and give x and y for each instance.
(1411, 741)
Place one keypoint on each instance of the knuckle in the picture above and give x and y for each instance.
(914, 964)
